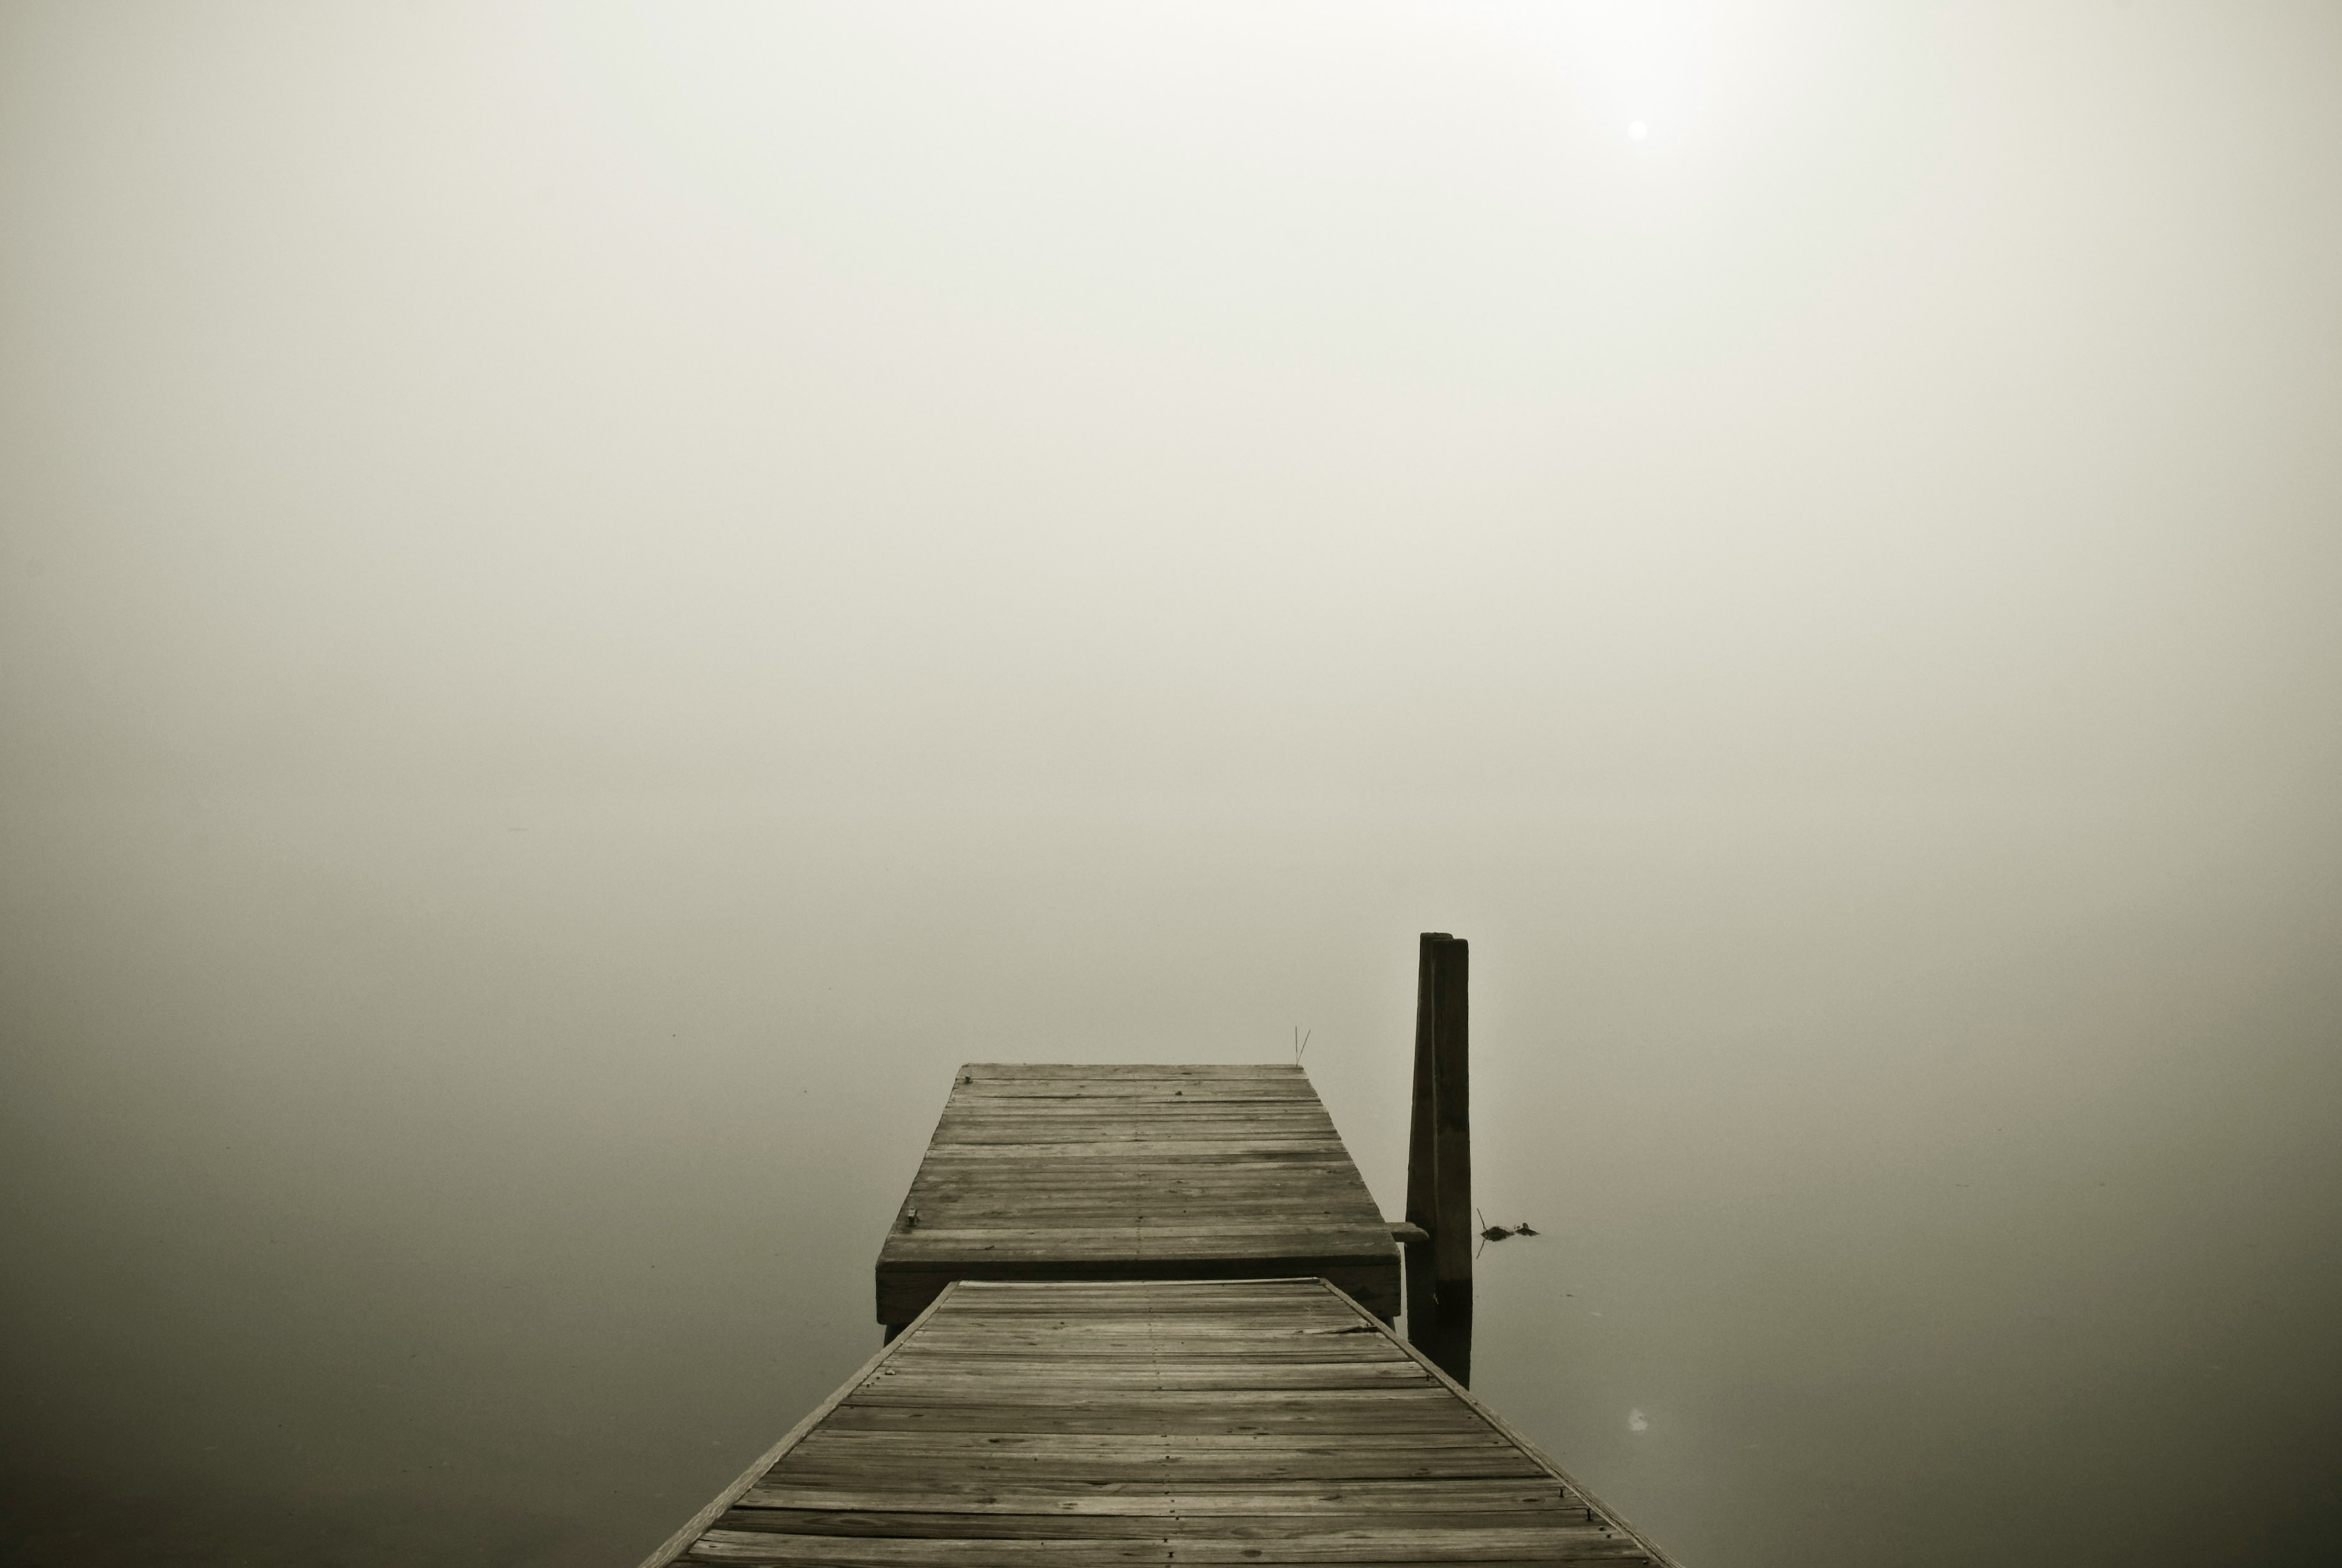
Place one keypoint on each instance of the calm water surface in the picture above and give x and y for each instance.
(1921, 1180)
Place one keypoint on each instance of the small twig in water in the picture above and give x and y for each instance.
(1489, 1232)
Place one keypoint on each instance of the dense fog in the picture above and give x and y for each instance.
(594, 596)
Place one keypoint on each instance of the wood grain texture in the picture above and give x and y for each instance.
(1257, 1421)
(1042, 1172)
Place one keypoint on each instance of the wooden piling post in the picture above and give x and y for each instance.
(1423, 1154)
(1439, 1157)
(1451, 1243)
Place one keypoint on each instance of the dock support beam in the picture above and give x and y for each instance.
(1439, 1158)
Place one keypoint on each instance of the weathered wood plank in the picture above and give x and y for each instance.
(1054, 1171)
(1106, 1422)
(1086, 1071)
(907, 1291)
(1526, 1546)
(1344, 1499)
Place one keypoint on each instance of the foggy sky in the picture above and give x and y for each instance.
(593, 596)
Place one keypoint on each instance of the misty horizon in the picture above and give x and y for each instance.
(592, 598)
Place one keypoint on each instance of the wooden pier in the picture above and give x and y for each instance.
(1143, 1314)
(1267, 1422)
(1135, 1172)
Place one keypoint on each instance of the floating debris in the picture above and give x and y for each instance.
(1501, 1232)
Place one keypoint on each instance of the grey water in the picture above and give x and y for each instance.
(488, 1180)
(593, 598)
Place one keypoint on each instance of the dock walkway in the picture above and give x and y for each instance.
(1261, 1422)
(1142, 1313)
(1040, 1172)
